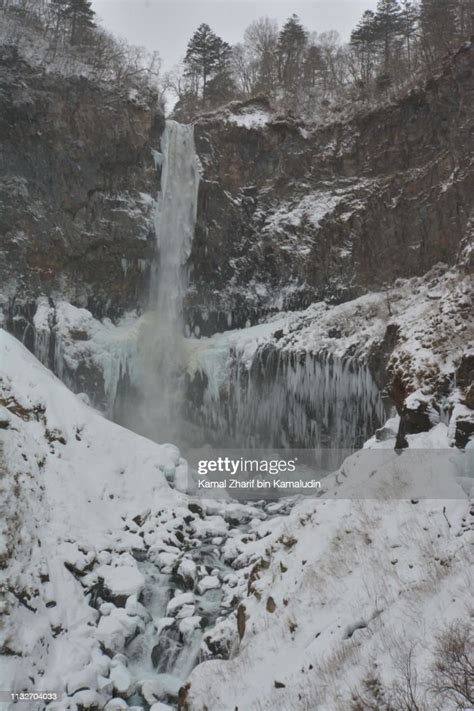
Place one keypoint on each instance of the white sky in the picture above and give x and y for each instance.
(167, 25)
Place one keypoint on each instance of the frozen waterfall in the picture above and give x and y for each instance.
(161, 346)
(285, 398)
(175, 218)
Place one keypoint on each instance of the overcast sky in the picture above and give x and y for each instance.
(166, 25)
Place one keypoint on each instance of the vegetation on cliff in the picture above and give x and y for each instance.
(315, 75)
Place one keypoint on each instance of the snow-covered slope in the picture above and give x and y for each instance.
(346, 600)
(116, 586)
(70, 481)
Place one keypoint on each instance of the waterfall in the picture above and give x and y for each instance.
(161, 345)
(134, 371)
(175, 219)
(270, 396)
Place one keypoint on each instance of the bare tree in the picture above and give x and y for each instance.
(261, 42)
(246, 69)
(406, 693)
(453, 672)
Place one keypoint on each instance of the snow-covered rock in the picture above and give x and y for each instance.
(189, 624)
(209, 582)
(114, 629)
(187, 571)
(117, 704)
(122, 679)
(160, 706)
(86, 678)
(121, 581)
(178, 601)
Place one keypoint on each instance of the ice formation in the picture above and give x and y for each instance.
(286, 398)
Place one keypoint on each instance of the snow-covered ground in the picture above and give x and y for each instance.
(70, 480)
(343, 592)
(115, 585)
(250, 115)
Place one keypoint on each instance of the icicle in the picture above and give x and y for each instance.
(285, 398)
(43, 323)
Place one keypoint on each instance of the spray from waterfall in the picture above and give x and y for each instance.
(162, 344)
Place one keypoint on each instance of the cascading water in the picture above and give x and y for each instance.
(161, 347)
(175, 219)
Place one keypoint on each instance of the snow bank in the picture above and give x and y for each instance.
(305, 599)
(99, 471)
(250, 117)
(341, 591)
(70, 478)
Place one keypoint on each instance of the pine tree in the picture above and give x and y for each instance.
(221, 86)
(364, 41)
(292, 43)
(203, 56)
(58, 10)
(409, 16)
(313, 65)
(81, 17)
(365, 34)
(73, 17)
(388, 27)
(377, 41)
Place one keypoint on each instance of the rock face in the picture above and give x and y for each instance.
(76, 178)
(288, 215)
